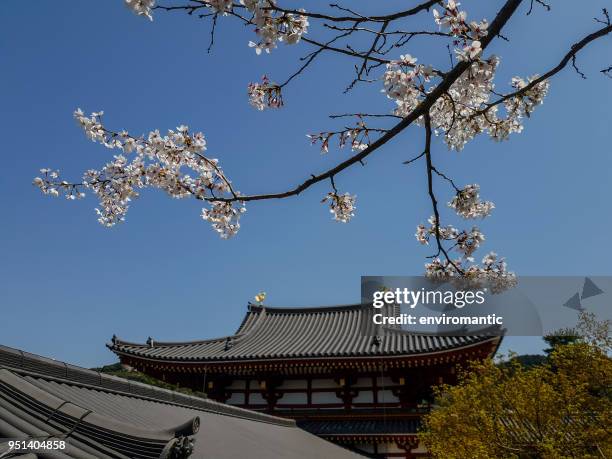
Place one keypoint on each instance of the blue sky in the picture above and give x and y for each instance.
(67, 284)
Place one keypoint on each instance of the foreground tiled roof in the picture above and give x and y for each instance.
(102, 416)
(280, 333)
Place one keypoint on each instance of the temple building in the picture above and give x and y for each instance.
(322, 367)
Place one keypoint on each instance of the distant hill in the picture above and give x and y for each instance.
(526, 360)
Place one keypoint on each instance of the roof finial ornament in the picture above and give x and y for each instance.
(376, 341)
(114, 339)
(228, 343)
(150, 342)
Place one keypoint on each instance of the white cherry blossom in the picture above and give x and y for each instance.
(469, 241)
(221, 6)
(455, 21)
(265, 94)
(141, 7)
(467, 203)
(470, 52)
(342, 206)
(272, 26)
(225, 218)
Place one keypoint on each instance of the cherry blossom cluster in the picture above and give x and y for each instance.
(424, 233)
(465, 242)
(469, 241)
(525, 103)
(467, 203)
(495, 270)
(50, 185)
(342, 206)
(265, 94)
(272, 26)
(454, 113)
(492, 273)
(465, 110)
(358, 137)
(174, 163)
(404, 82)
(456, 22)
(141, 7)
(468, 34)
(221, 6)
(224, 218)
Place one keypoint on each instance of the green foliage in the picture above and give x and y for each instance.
(561, 408)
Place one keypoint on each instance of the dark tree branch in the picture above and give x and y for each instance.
(575, 66)
(445, 177)
(410, 161)
(390, 17)
(540, 2)
(432, 196)
(364, 115)
(212, 33)
(311, 57)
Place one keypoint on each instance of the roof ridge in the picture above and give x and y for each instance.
(154, 343)
(235, 338)
(307, 309)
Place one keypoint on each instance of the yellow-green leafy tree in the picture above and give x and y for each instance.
(560, 409)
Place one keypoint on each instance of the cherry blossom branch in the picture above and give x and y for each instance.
(322, 46)
(359, 136)
(498, 23)
(455, 104)
(567, 58)
(355, 17)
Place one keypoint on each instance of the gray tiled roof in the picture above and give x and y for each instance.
(106, 417)
(280, 333)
